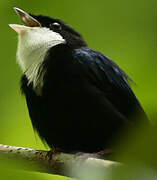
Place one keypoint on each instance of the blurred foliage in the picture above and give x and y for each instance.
(123, 30)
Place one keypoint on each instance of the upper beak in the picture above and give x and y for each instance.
(26, 19)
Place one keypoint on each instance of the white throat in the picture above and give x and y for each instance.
(33, 44)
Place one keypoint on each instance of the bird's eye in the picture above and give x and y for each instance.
(55, 26)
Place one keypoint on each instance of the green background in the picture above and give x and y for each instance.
(124, 30)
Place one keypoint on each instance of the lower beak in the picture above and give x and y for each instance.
(19, 28)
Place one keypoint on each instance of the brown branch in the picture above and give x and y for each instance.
(56, 163)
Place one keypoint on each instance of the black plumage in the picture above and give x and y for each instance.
(86, 102)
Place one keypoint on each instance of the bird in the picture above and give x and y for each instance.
(78, 99)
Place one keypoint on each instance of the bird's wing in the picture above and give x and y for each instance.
(111, 80)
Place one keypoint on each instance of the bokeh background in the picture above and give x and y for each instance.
(124, 30)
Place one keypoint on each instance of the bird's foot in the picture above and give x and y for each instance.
(104, 153)
(53, 151)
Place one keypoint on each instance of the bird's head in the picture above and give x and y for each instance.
(36, 36)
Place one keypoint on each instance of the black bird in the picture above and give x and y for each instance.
(78, 99)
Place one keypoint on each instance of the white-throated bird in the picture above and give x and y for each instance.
(78, 99)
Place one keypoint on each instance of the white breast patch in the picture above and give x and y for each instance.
(33, 44)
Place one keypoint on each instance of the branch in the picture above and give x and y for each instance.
(55, 163)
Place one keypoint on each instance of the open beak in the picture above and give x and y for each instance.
(26, 19)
